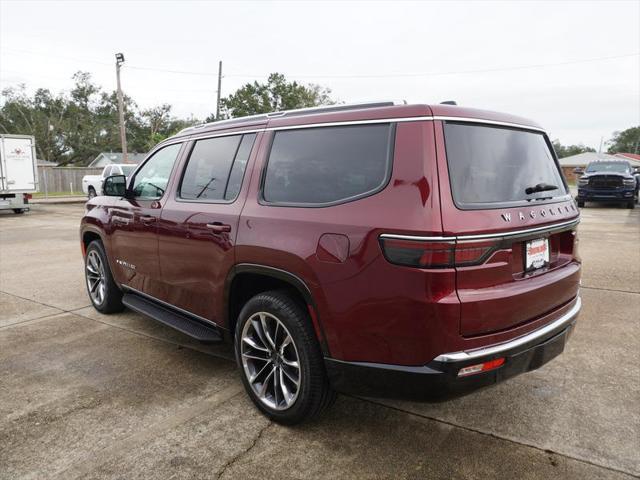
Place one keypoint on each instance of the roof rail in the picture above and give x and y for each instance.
(295, 112)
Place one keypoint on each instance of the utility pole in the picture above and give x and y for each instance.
(219, 88)
(123, 134)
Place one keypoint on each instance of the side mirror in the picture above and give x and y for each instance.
(115, 186)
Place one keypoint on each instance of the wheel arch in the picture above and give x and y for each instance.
(247, 279)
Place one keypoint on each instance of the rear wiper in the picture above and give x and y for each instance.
(541, 187)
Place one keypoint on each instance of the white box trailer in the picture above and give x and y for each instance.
(18, 171)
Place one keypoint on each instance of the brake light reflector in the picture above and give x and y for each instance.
(481, 367)
(435, 253)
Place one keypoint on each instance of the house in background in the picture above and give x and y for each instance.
(569, 164)
(107, 158)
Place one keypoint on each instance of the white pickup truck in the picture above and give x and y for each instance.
(18, 172)
(92, 184)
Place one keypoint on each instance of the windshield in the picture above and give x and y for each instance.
(615, 167)
(128, 169)
(491, 166)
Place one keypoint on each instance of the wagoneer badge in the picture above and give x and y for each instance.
(543, 212)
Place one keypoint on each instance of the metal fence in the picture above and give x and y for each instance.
(63, 179)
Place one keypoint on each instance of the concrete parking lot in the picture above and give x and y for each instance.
(84, 395)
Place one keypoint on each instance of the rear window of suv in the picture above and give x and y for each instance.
(328, 165)
(493, 166)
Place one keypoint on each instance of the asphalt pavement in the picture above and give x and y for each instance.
(85, 395)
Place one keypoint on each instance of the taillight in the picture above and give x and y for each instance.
(418, 253)
(436, 253)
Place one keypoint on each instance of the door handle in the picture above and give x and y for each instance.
(217, 227)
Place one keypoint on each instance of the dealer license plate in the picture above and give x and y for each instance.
(537, 254)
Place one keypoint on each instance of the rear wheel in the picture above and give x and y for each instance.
(105, 295)
(18, 211)
(92, 192)
(280, 360)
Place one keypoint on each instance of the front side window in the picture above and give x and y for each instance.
(216, 167)
(326, 165)
(495, 166)
(106, 172)
(151, 180)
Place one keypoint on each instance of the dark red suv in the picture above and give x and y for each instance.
(410, 251)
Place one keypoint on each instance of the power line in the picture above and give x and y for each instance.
(459, 72)
(345, 75)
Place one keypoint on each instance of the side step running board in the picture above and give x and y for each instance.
(172, 318)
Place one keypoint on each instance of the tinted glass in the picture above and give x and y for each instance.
(604, 167)
(239, 166)
(492, 165)
(205, 177)
(151, 180)
(106, 172)
(325, 165)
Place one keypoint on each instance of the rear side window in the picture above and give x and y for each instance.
(325, 165)
(216, 167)
(493, 166)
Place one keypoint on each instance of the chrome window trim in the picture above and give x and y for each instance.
(350, 122)
(157, 300)
(511, 233)
(488, 122)
(225, 134)
(564, 320)
(198, 136)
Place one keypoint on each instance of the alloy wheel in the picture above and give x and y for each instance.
(95, 275)
(270, 361)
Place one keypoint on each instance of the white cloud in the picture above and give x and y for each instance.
(577, 102)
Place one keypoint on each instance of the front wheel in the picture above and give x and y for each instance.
(631, 204)
(105, 295)
(280, 359)
(581, 203)
(92, 192)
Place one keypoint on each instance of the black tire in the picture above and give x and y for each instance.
(112, 299)
(631, 204)
(18, 211)
(314, 394)
(581, 203)
(92, 192)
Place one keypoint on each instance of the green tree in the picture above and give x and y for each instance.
(156, 124)
(626, 141)
(42, 116)
(569, 150)
(275, 95)
(75, 128)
